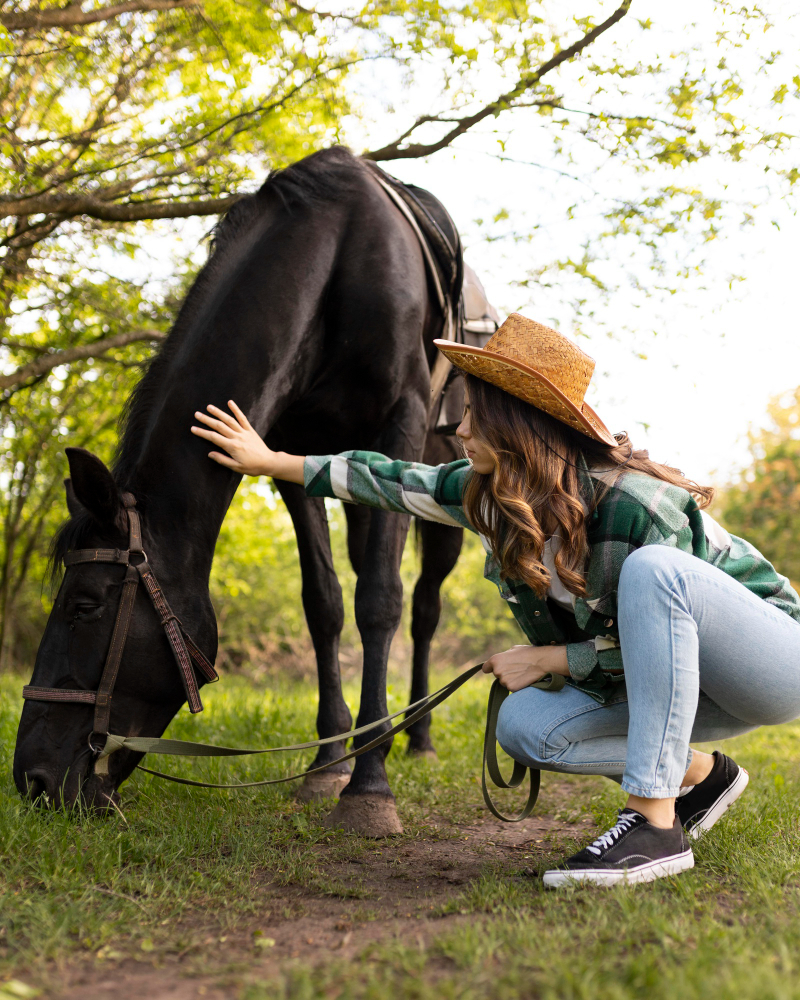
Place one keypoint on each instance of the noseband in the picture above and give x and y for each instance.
(187, 655)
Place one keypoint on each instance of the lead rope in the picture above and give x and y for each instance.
(497, 695)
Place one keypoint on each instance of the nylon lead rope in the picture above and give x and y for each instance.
(497, 695)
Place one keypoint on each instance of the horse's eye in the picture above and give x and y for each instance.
(85, 612)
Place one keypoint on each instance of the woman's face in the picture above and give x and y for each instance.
(477, 452)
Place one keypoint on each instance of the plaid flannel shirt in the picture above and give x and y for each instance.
(634, 510)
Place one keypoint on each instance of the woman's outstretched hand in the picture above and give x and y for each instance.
(245, 451)
(521, 666)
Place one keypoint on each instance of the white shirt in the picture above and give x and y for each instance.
(556, 590)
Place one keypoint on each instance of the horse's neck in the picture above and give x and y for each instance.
(260, 345)
(184, 494)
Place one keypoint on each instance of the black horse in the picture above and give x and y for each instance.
(314, 312)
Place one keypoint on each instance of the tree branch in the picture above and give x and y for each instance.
(50, 361)
(605, 115)
(68, 206)
(72, 16)
(394, 151)
(312, 12)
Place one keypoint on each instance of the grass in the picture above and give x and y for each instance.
(189, 864)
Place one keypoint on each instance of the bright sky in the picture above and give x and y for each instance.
(714, 354)
(719, 356)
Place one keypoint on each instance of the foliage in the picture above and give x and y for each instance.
(168, 110)
(72, 405)
(764, 505)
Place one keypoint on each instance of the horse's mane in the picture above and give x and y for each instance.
(323, 176)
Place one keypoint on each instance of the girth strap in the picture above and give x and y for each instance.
(441, 366)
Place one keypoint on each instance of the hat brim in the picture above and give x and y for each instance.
(526, 383)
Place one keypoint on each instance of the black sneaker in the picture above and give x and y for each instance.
(632, 851)
(700, 809)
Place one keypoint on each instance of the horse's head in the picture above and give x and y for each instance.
(54, 760)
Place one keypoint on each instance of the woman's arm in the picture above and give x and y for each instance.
(432, 493)
(246, 451)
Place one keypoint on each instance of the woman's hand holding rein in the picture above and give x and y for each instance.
(521, 666)
(246, 452)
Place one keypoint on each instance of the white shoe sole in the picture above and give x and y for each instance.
(721, 806)
(627, 876)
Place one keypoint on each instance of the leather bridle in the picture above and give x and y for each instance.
(187, 655)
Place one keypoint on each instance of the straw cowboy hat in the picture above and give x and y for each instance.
(536, 364)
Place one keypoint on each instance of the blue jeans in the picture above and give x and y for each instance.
(705, 659)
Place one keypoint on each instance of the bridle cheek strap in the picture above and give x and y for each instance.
(187, 655)
(102, 705)
(183, 647)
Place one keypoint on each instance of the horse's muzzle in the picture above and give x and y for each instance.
(77, 787)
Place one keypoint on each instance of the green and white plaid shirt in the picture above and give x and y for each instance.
(635, 510)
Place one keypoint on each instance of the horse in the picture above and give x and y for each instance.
(315, 312)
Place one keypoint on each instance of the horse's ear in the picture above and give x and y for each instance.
(74, 506)
(92, 486)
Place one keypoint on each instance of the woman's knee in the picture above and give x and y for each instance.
(523, 731)
(647, 562)
(517, 726)
(651, 568)
(510, 727)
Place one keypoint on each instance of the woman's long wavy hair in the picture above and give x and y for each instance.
(535, 490)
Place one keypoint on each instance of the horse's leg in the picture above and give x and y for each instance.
(367, 805)
(357, 533)
(322, 602)
(440, 545)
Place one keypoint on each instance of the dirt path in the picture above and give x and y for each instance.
(396, 890)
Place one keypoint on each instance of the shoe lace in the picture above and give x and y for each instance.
(610, 837)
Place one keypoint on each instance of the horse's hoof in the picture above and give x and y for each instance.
(324, 785)
(369, 815)
(425, 753)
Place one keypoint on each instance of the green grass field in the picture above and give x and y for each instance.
(76, 890)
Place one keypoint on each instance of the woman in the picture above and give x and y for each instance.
(668, 629)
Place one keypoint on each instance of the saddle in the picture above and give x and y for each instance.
(469, 317)
(478, 321)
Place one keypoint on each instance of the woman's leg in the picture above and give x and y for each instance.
(685, 626)
(564, 731)
(569, 732)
